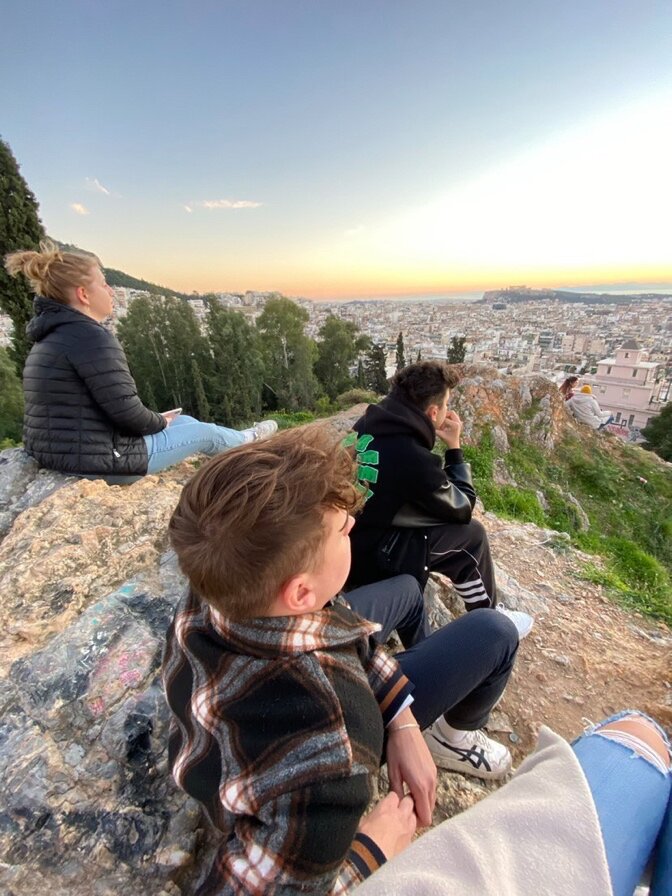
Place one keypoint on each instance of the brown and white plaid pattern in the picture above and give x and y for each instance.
(276, 728)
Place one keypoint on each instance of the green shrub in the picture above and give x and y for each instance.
(482, 459)
(355, 396)
(627, 497)
(515, 503)
(561, 515)
(324, 407)
(286, 420)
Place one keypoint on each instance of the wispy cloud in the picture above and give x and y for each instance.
(222, 203)
(92, 183)
(78, 208)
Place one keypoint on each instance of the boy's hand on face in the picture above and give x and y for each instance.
(409, 762)
(450, 430)
(391, 824)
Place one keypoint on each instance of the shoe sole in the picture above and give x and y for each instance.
(465, 768)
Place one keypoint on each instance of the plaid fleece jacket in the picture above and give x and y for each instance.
(277, 726)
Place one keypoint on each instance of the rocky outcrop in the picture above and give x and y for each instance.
(485, 401)
(83, 538)
(88, 805)
(88, 583)
(23, 485)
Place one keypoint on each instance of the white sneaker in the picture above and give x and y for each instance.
(264, 429)
(522, 621)
(472, 754)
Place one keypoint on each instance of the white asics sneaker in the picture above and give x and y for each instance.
(264, 429)
(522, 621)
(472, 754)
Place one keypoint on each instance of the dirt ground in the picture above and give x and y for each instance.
(586, 657)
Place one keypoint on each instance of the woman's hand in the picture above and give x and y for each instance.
(409, 762)
(171, 415)
(390, 824)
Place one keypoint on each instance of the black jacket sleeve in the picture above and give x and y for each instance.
(100, 362)
(446, 496)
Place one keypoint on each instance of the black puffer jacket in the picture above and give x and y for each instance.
(82, 410)
(409, 491)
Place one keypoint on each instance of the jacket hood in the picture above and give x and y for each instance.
(49, 315)
(394, 416)
(582, 398)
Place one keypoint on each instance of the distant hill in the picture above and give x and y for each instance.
(119, 278)
(513, 294)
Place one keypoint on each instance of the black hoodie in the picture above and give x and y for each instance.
(408, 491)
(82, 410)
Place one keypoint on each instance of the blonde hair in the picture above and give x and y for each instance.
(50, 272)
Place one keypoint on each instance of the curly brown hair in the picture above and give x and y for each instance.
(423, 383)
(252, 518)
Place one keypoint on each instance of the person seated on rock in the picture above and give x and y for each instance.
(418, 512)
(82, 410)
(282, 705)
(573, 821)
(586, 409)
(568, 386)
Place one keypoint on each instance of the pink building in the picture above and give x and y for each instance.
(626, 386)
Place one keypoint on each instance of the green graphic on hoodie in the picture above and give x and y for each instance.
(367, 461)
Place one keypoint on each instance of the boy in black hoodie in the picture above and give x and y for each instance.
(417, 515)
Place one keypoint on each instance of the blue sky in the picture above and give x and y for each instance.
(334, 148)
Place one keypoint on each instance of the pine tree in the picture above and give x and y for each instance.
(288, 353)
(162, 341)
(201, 405)
(337, 350)
(20, 228)
(457, 350)
(11, 405)
(236, 369)
(375, 374)
(400, 359)
(360, 379)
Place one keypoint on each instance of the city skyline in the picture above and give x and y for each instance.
(349, 150)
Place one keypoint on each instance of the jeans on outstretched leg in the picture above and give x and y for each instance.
(186, 436)
(634, 807)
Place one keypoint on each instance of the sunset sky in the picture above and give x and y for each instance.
(332, 148)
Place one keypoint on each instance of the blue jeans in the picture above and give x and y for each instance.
(186, 436)
(633, 803)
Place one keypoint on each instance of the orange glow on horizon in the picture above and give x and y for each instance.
(322, 286)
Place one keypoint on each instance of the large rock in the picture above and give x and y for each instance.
(88, 805)
(74, 546)
(23, 485)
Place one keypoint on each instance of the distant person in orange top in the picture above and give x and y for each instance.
(586, 409)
